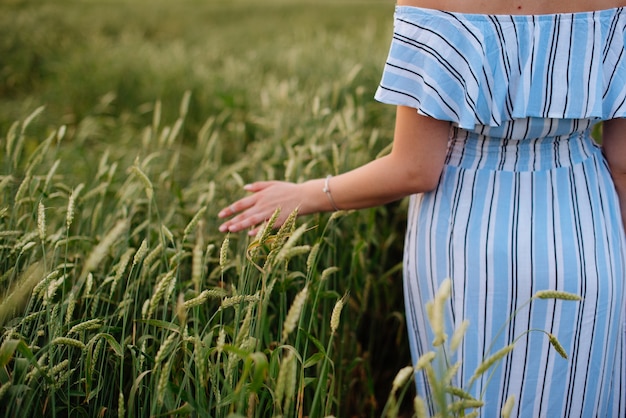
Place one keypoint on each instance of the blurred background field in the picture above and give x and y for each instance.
(124, 127)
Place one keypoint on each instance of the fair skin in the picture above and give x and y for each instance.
(507, 7)
(419, 145)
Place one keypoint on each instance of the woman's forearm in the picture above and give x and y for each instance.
(414, 165)
(381, 181)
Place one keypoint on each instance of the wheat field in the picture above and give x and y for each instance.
(126, 126)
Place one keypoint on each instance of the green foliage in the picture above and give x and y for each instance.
(125, 127)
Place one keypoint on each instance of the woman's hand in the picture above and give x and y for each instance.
(258, 207)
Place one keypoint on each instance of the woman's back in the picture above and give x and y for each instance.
(515, 7)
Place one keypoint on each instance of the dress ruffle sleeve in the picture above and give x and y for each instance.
(474, 69)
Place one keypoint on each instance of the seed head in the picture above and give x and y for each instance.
(294, 312)
(485, 365)
(164, 348)
(197, 301)
(425, 359)
(557, 346)
(121, 413)
(458, 335)
(194, 221)
(224, 251)
(420, 407)
(459, 393)
(221, 340)
(335, 316)
(312, 256)
(141, 252)
(556, 294)
(147, 184)
(99, 252)
(41, 221)
(68, 341)
(508, 406)
(401, 378)
(71, 204)
(328, 271)
(85, 325)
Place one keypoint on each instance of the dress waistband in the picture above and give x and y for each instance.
(473, 151)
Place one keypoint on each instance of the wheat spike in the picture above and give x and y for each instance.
(556, 294)
(221, 341)
(68, 341)
(557, 346)
(425, 359)
(198, 300)
(485, 365)
(141, 252)
(197, 262)
(459, 393)
(401, 378)
(464, 404)
(335, 316)
(194, 222)
(164, 378)
(310, 261)
(224, 251)
(86, 325)
(71, 205)
(41, 221)
(4, 389)
(508, 407)
(147, 184)
(121, 413)
(294, 312)
(458, 335)
(420, 407)
(164, 349)
(99, 252)
(327, 272)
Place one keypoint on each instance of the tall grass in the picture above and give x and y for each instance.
(124, 130)
(120, 297)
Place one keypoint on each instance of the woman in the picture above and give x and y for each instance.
(509, 193)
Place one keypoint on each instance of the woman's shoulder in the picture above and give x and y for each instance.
(517, 7)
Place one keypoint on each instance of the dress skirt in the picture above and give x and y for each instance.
(511, 217)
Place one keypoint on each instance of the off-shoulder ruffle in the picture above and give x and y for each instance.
(474, 69)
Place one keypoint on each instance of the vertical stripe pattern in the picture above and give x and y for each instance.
(504, 225)
(525, 202)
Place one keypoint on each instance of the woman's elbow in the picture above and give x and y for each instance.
(423, 181)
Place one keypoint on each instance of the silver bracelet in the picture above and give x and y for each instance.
(326, 190)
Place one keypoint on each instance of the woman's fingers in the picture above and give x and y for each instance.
(245, 213)
(244, 221)
(258, 207)
(246, 202)
(257, 186)
(238, 206)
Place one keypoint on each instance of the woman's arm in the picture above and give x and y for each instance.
(414, 165)
(614, 147)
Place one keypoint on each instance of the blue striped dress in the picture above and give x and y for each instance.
(525, 201)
